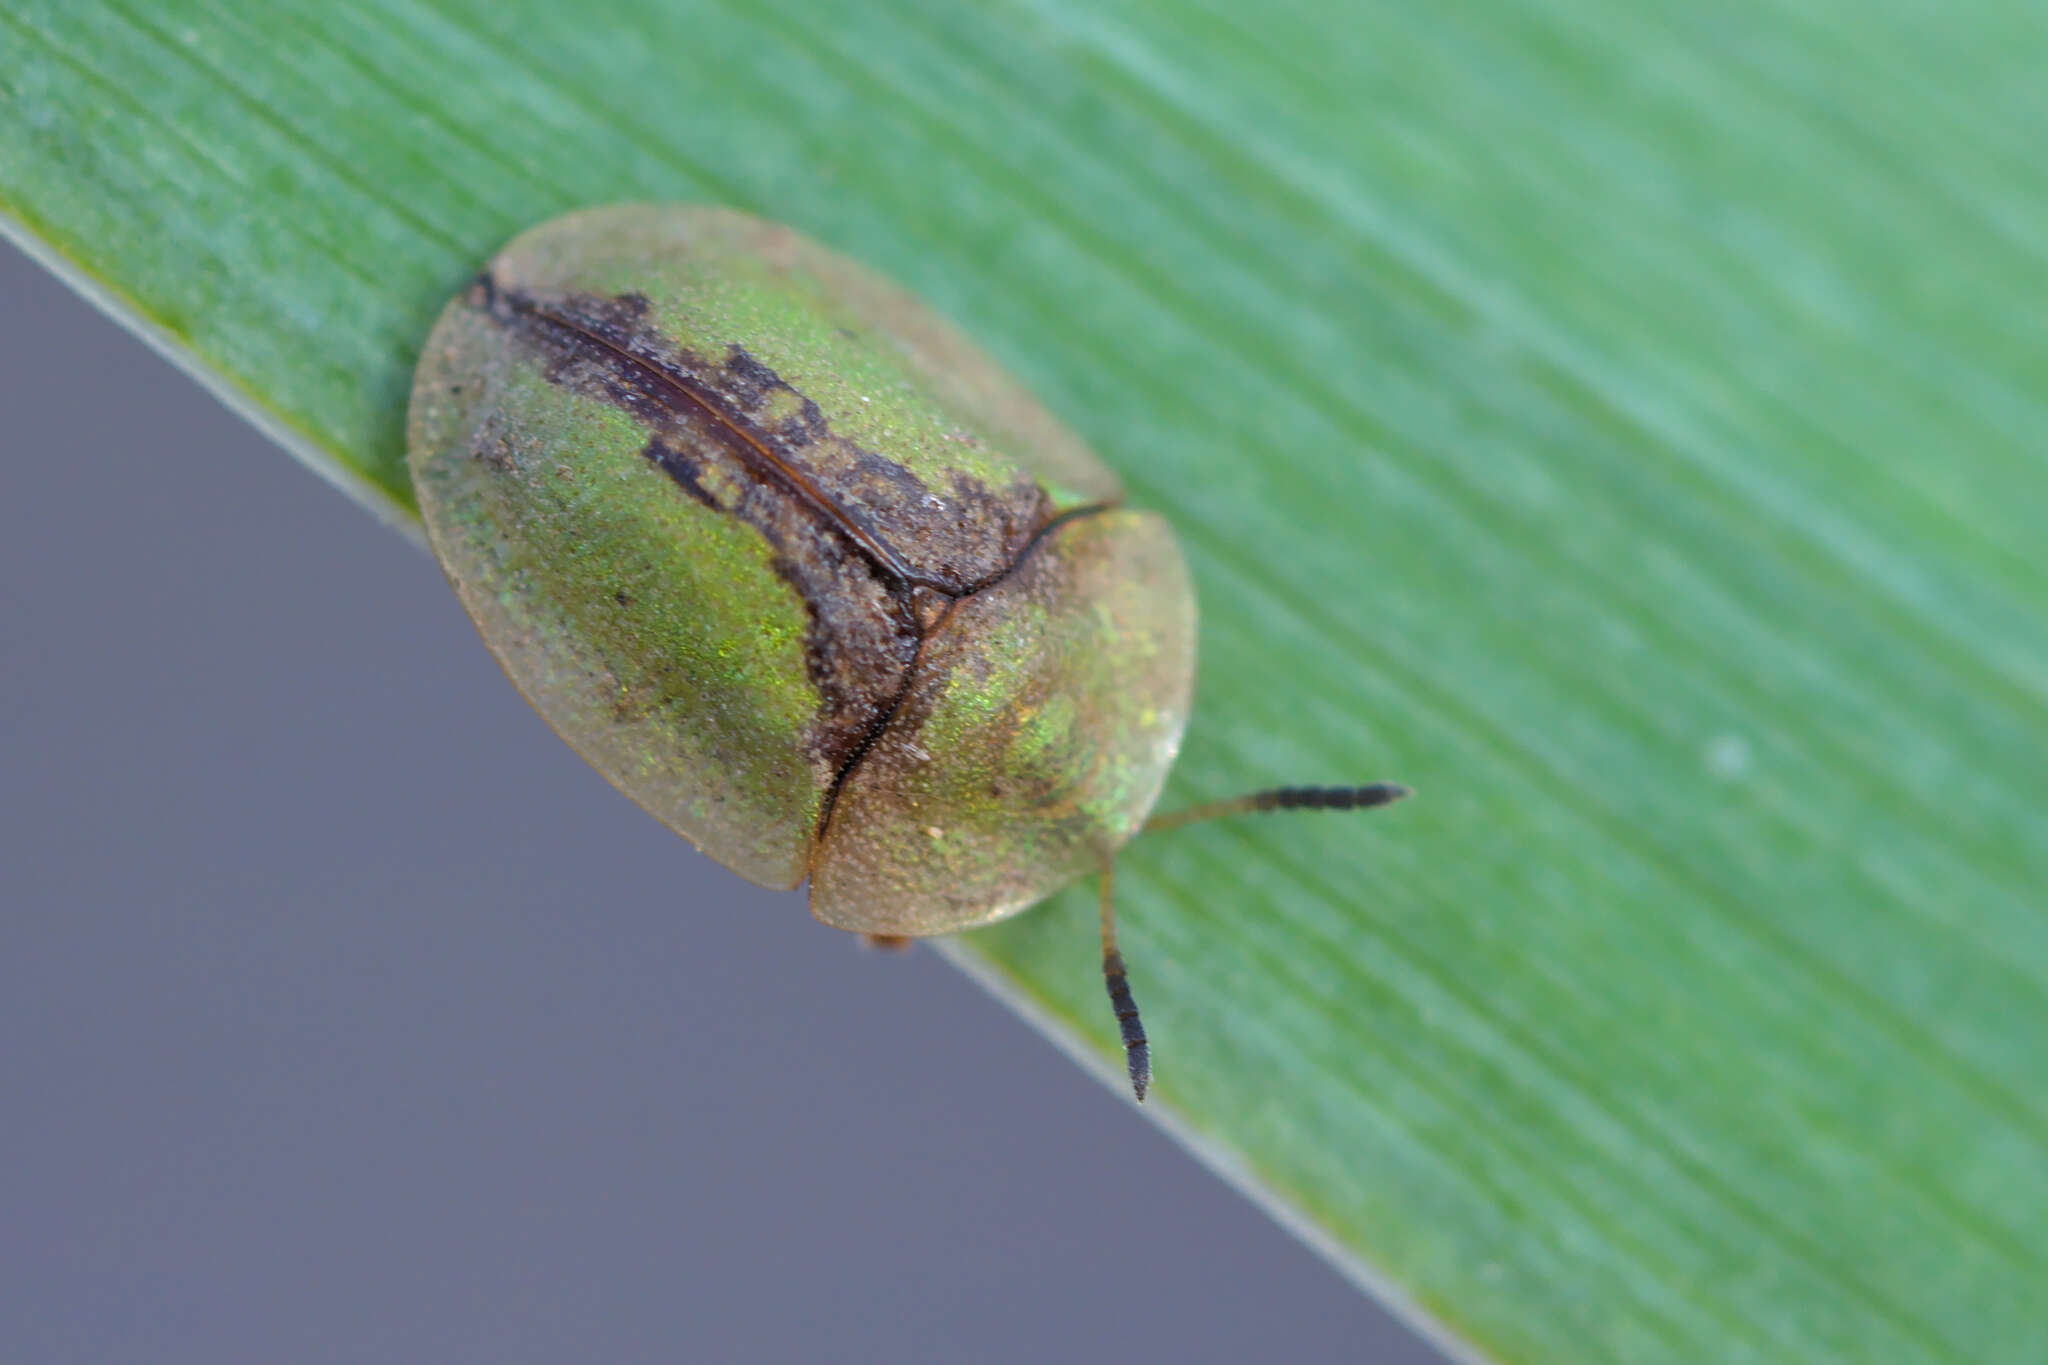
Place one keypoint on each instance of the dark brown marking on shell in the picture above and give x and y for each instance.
(679, 465)
(875, 554)
(912, 704)
(907, 704)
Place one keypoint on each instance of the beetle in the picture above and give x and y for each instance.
(804, 574)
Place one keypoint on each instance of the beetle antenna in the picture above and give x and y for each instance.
(1284, 798)
(1137, 1053)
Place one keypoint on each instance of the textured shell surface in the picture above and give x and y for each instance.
(797, 568)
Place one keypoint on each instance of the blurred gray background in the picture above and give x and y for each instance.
(348, 1016)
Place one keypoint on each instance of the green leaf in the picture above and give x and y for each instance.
(1625, 425)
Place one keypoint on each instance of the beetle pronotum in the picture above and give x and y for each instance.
(805, 575)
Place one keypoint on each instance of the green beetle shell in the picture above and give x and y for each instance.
(797, 568)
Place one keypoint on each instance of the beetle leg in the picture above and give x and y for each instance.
(1284, 798)
(888, 943)
(1137, 1054)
